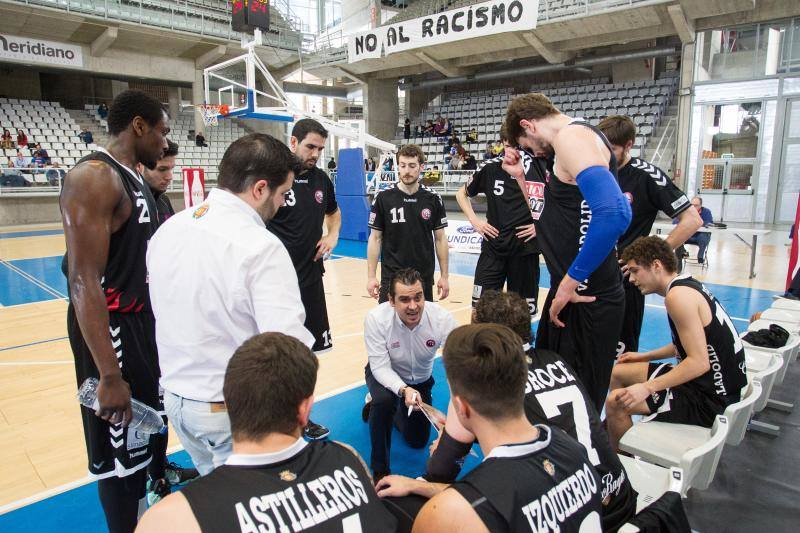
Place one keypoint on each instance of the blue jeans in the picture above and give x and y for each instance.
(203, 428)
(701, 239)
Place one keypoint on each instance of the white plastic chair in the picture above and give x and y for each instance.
(651, 481)
(696, 450)
(763, 367)
(783, 316)
(786, 303)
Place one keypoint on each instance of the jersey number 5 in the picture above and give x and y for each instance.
(550, 402)
(499, 189)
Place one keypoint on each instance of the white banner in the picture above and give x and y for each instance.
(36, 50)
(462, 237)
(477, 20)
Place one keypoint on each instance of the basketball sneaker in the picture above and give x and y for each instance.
(315, 431)
(157, 490)
(367, 405)
(178, 475)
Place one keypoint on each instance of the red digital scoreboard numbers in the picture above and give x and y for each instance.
(247, 15)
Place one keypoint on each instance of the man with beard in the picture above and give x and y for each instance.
(218, 277)
(298, 225)
(109, 215)
(402, 220)
(579, 215)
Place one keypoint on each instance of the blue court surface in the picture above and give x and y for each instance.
(79, 509)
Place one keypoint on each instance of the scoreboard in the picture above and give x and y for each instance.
(247, 15)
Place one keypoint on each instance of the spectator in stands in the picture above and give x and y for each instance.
(22, 139)
(701, 238)
(407, 129)
(10, 163)
(472, 136)
(7, 143)
(447, 128)
(55, 174)
(102, 111)
(370, 165)
(453, 140)
(20, 162)
(470, 163)
(86, 136)
(439, 126)
(41, 154)
(497, 149)
(332, 164)
(388, 165)
(200, 140)
(455, 159)
(488, 153)
(429, 128)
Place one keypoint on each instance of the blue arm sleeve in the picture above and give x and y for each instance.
(611, 215)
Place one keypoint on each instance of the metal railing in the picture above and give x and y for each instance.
(444, 182)
(664, 142)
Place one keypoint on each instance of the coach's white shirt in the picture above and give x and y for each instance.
(217, 277)
(398, 355)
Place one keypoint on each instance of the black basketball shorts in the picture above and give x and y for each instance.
(519, 273)
(682, 404)
(112, 449)
(634, 316)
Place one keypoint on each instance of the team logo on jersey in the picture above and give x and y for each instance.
(549, 467)
(629, 196)
(318, 196)
(430, 343)
(396, 344)
(426, 213)
(535, 192)
(200, 211)
(287, 476)
(372, 218)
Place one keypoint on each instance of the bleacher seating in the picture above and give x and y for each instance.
(218, 138)
(47, 123)
(645, 101)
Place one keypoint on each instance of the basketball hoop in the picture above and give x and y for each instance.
(211, 112)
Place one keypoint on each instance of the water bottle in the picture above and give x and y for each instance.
(145, 418)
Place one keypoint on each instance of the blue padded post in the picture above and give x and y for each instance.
(351, 193)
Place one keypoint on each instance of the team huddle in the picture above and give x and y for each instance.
(216, 321)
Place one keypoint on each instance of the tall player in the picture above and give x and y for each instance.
(407, 223)
(580, 214)
(534, 478)
(298, 224)
(711, 369)
(509, 252)
(109, 215)
(649, 191)
(553, 396)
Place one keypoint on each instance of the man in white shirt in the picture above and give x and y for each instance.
(401, 336)
(218, 277)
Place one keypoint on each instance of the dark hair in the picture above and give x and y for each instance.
(701, 200)
(506, 308)
(308, 125)
(618, 129)
(172, 149)
(406, 276)
(645, 250)
(412, 150)
(486, 366)
(531, 106)
(131, 104)
(266, 380)
(254, 157)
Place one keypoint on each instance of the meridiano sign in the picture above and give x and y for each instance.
(38, 51)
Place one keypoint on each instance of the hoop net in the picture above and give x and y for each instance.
(211, 112)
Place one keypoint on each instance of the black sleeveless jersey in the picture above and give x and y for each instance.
(544, 485)
(556, 397)
(727, 374)
(649, 191)
(506, 207)
(562, 226)
(318, 487)
(125, 277)
(298, 223)
(408, 222)
(163, 206)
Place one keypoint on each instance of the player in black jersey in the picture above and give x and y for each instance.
(649, 191)
(711, 369)
(159, 179)
(109, 215)
(579, 214)
(407, 223)
(533, 478)
(275, 480)
(298, 224)
(553, 396)
(509, 252)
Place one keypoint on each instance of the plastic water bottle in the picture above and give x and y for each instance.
(145, 418)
